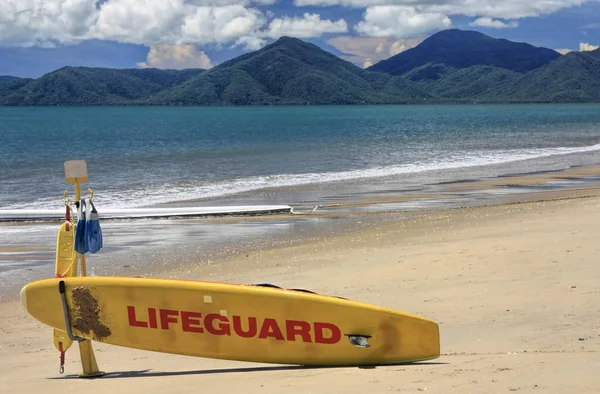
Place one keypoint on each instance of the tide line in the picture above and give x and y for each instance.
(15, 215)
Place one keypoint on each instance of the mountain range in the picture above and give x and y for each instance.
(462, 49)
(450, 66)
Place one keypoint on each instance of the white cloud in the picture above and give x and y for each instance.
(152, 22)
(220, 25)
(240, 22)
(563, 51)
(400, 22)
(494, 23)
(43, 22)
(175, 22)
(584, 47)
(218, 3)
(251, 43)
(411, 18)
(361, 46)
(176, 57)
(310, 25)
(506, 9)
(365, 50)
(351, 3)
(398, 47)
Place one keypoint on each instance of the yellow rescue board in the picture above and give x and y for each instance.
(66, 266)
(235, 322)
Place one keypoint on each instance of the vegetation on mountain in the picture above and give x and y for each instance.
(575, 77)
(291, 71)
(461, 49)
(92, 86)
(472, 83)
(8, 78)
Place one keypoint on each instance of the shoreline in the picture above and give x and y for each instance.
(163, 247)
(512, 286)
(382, 191)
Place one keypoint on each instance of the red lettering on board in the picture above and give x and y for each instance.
(335, 333)
(190, 321)
(167, 316)
(223, 327)
(294, 327)
(216, 324)
(152, 318)
(132, 319)
(237, 327)
(270, 329)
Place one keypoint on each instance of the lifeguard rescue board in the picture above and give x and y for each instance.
(234, 322)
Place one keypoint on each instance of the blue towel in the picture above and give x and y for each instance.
(93, 233)
(80, 244)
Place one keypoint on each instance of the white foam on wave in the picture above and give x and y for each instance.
(157, 194)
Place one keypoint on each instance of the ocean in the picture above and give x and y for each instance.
(301, 156)
(144, 156)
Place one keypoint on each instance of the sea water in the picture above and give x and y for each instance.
(143, 156)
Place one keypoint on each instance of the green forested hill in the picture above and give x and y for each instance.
(291, 71)
(461, 49)
(7, 78)
(472, 83)
(92, 86)
(575, 77)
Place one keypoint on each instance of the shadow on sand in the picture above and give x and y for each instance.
(149, 373)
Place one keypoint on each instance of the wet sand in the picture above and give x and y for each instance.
(514, 288)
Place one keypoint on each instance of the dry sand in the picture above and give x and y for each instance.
(515, 290)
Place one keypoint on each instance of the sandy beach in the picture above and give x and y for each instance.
(513, 287)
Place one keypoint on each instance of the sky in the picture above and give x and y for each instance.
(39, 36)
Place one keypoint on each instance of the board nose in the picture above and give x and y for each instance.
(23, 296)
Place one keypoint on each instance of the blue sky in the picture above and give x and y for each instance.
(38, 36)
